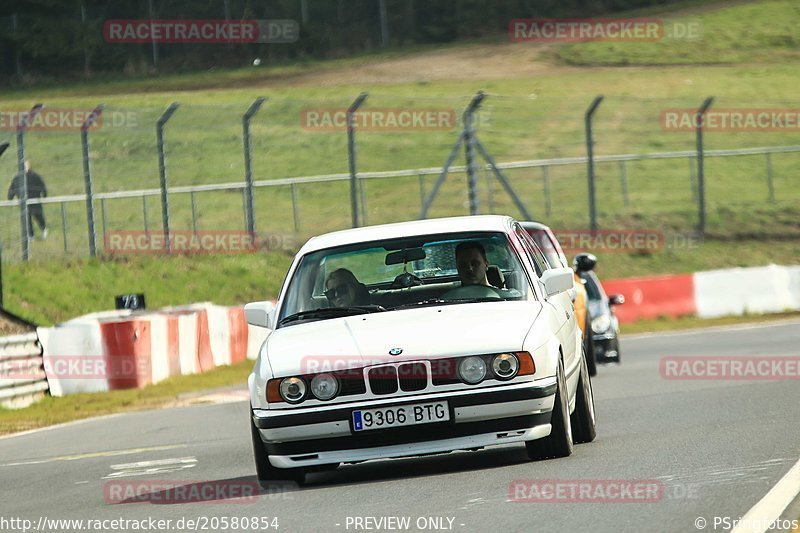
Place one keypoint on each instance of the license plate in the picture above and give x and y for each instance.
(406, 415)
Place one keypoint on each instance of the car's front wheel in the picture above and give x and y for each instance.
(559, 442)
(582, 419)
(267, 474)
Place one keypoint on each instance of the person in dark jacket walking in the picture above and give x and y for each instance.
(36, 189)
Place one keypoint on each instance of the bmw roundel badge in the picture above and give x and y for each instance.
(395, 351)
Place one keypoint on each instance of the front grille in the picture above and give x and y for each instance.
(413, 377)
(383, 380)
(351, 382)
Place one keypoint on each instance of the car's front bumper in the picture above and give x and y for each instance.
(484, 417)
(606, 348)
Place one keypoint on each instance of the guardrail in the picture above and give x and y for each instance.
(21, 355)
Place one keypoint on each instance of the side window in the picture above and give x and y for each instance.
(534, 254)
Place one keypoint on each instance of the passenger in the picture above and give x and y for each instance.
(343, 289)
(471, 263)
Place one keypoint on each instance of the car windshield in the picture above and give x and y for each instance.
(403, 273)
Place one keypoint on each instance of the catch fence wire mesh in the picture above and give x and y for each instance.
(645, 173)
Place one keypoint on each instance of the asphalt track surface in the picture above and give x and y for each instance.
(714, 447)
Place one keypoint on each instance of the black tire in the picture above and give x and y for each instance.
(559, 442)
(269, 476)
(583, 418)
(588, 344)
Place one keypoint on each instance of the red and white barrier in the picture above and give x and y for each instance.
(715, 293)
(120, 350)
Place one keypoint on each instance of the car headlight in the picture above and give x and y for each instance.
(293, 390)
(324, 386)
(505, 365)
(472, 370)
(601, 324)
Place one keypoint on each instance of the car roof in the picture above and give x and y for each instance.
(405, 229)
(530, 224)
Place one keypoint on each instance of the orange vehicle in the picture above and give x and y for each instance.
(547, 242)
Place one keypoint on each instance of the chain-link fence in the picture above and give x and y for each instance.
(645, 166)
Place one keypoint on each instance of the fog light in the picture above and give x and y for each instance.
(293, 390)
(324, 386)
(472, 370)
(505, 366)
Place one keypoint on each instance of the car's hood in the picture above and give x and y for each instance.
(428, 332)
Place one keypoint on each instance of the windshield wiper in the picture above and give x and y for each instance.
(332, 312)
(481, 299)
(430, 301)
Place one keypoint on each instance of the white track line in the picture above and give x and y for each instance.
(772, 505)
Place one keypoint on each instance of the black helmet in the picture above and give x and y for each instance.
(584, 262)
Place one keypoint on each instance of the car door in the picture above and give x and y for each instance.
(560, 304)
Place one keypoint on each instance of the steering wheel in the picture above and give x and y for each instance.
(471, 291)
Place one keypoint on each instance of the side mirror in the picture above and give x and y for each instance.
(616, 299)
(584, 262)
(557, 280)
(259, 313)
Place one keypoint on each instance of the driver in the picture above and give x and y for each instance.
(343, 289)
(471, 263)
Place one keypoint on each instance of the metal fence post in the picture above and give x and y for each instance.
(162, 170)
(144, 214)
(421, 190)
(64, 225)
(546, 177)
(194, 213)
(770, 185)
(87, 178)
(701, 186)
(693, 177)
(103, 216)
(590, 161)
(23, 176)
(249, 216)
(623, 176)
(351, 150)
(295, 214)
(362, 188)
(469, 144)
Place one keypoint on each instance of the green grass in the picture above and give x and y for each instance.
(752, 32)
(689, 322)
(52, 410)
(48, 292)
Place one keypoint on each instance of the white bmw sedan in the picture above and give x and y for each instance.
(417, 338)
